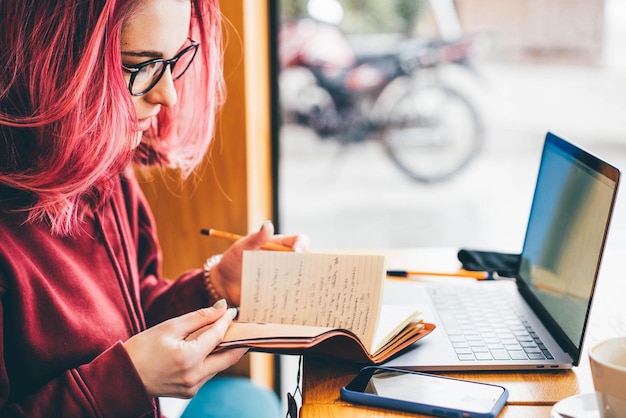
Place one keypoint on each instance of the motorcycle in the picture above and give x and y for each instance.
(429, 129)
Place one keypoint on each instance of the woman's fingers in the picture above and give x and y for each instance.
(257, 239)
(266, 234)
(171, 357)
(223, 360)
(192, 322)
(299, 243)
(209, 336)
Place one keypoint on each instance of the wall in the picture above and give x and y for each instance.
(561, 31)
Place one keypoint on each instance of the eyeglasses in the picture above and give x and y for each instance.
(144, 76)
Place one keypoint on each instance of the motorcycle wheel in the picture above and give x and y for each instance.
(432, 132)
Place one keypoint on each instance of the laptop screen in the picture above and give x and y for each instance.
(567, 228)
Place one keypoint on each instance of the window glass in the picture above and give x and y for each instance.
(414, 123)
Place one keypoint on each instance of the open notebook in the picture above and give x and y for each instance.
(328, 305)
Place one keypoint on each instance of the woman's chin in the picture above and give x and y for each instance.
(144, 124)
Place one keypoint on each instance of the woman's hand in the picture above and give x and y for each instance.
(226, 276)
(173, 358)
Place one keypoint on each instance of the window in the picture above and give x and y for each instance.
(556, 66)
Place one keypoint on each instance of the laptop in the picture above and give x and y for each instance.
(541, 314)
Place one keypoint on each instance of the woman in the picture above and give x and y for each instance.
(89, 328)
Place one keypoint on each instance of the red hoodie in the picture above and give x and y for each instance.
(68, 303)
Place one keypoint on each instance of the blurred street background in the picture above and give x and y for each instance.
(354, 197)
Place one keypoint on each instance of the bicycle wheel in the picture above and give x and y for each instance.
(432, 132)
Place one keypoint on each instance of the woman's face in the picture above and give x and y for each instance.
(158, 29)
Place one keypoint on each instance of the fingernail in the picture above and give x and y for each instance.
(234, 312)
(266, 224)
(220, 304)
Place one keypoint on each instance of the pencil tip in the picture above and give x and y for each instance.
(205, 232)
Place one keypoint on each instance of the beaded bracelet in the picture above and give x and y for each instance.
(208, 284)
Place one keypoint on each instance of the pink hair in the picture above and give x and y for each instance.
(66, 116)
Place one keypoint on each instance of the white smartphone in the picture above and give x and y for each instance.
(423, 393)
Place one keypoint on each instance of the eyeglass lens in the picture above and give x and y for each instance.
(150, 74)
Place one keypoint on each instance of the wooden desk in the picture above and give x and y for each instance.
(531, 394)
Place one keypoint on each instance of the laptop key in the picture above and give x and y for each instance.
(483, 356)
(500, 354)
(497, 346)
(513, 347)
(518, 355)
(449, 322)
(536, 356)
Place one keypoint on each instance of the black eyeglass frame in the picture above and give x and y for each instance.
(134, 69)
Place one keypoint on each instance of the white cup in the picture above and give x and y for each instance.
(608, 369)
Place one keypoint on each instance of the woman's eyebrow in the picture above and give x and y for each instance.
(143, 54)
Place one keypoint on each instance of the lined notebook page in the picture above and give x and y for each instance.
(327, 290)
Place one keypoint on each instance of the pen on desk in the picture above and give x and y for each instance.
(478, 275)
(234, 237)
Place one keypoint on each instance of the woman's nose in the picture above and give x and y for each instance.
(163, 92)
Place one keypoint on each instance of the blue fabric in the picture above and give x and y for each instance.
(224, 397)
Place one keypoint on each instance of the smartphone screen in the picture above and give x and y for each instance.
(420, 392)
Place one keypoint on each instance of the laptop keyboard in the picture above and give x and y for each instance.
(481, 325)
